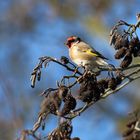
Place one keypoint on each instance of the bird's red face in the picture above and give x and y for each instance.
(71, 40)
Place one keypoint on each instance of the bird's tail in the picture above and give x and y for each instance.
(103, 64)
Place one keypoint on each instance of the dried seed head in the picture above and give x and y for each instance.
(50, 104)
(118, 44)
(101, 88)
(125, 42)
(89, 90)
(112, 83)
(121, 42)
(129, 52)
(86, 96)
(65, 130)
(90, 94)
(96, 94)
(126, 61)
(63, 91)
(64, 60)
(120, 53)
(55, 135)
(103, 82)
(102, 85)
(88, 83)
(133, 42)
(70, 104)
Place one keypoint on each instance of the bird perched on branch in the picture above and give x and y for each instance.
(84, 55)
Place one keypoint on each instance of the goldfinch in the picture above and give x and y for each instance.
(84, 55)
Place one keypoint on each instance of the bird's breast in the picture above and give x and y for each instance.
(79, 57)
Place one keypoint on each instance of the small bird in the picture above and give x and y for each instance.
(84, 55)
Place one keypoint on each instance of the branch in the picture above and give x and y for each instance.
(106, 94)
(120, 87)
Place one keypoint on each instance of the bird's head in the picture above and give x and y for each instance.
(72, 40)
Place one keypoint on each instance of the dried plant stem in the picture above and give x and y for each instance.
(120, 87)
(109, 92)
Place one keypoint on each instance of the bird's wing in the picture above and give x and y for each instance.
(94, 52)
(87, 49)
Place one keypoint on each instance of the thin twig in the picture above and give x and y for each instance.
(82, 109)
(66, 66)
(120, 87)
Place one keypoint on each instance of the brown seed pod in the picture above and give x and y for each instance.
(65, 130)
(50, 104)
(118, 42)
(63, 91)
(102, 85)
(103, 82)
(129, 52)
(86, 96)
(101, 88)
(89, 95)
(134, 42)
(62, 132)
(89, 89)
(126, 61)
(55, 136)
(112, 84)
(120, 53)
(125, 42)
(70, 104)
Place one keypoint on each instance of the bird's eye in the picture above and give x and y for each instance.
(77, 39)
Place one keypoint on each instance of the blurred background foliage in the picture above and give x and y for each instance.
(30, 29)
